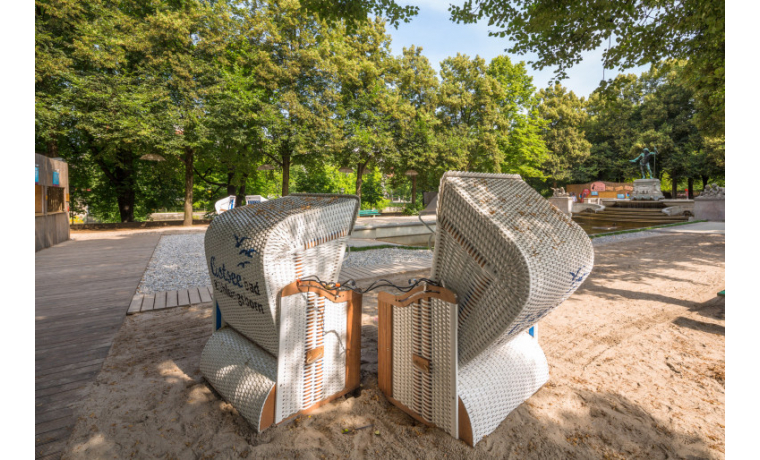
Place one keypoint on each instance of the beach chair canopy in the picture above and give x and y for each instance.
(460, 358)
(294, 341)
(254, 251)
(508, 254)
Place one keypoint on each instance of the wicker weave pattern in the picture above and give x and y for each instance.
(403, 369)
(309, 322)
(243, 373)
(253, 251)
(525, 258)
(495, 383)
(427, 329)
(290, 363)
(335, 340)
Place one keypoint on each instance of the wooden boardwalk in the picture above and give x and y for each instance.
(82, 292)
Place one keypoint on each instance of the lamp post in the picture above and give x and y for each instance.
(413, 174)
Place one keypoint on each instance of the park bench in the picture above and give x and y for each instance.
(368, 213)
(281, 347)
(457, 353)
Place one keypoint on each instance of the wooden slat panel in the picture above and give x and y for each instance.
(135, 305)
(148, 302)
(205, 295)
(195, 297)
(160, 302)
(183, 298)
(171, 299)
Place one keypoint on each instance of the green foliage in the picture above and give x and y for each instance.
(412, 209)
(357, 11)
(226, 87)
(563, 134)
(653, 110)
(373, 191)
(645, 32)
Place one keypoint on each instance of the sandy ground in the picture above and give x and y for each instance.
(637, 359)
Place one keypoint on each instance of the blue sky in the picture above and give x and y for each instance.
(440, 38)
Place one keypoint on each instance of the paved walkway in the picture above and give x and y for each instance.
(697, 227)
(83, 289)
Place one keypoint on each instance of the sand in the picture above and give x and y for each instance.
(637, 358)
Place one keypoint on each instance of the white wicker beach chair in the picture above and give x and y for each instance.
(459, 356)
(281, 347)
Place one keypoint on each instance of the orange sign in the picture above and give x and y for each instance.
(598, 187)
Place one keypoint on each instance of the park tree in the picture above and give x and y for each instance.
(184, 46)
(415, 138)
(370, 108)
(122, 81)
(235, 141)
(632, 33)
(563, 133)
(473, 123)
(524, 147)
(668, 119)
(612, 127)
(652, 111)
(298, 77)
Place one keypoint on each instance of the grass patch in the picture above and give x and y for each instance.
(643, 229)
(386, 246)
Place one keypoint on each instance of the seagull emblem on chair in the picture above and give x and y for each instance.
(577, 278)
(239, 241)
(248, 252)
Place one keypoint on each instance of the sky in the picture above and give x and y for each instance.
(440, 38)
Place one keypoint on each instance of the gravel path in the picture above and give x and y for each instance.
(179, 262)
(385, 257)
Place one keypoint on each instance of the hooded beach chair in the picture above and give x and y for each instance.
(459, 356)
(281, 346)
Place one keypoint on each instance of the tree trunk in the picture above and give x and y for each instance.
(359, 172)
(231, 189)
(705, 179)
(674, 187)
(691, 189)
(240, 195)
(188, 159)
(285, 174)
(414, 190)
(52, 149)
(126, 199)
(124, 175)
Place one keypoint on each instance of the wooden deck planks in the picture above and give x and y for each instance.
(135, 305)
(83, 290)
(195, 297)
(171, 299)
(160, 302)
(148, 302)
(205, 294)
(183, 298)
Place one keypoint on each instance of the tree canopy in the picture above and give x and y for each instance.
(267, 97)
(632, 34)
